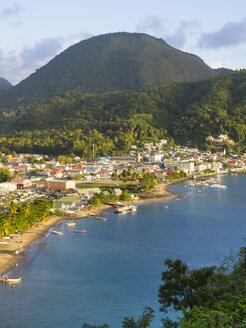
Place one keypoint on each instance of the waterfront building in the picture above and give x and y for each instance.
(59, 185)
(187, 166)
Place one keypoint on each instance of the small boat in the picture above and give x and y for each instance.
(56, 232)
(80, 231)
(71, 224)
(101, 218)
(217, 185)
(8, 280)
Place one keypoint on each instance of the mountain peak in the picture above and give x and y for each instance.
(112, 62)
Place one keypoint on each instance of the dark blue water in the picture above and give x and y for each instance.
(115, 269)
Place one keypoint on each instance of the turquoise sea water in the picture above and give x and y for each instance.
(114, 270)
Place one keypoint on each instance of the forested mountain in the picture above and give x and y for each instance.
(4, 84)
(105, 63)
(184, 111)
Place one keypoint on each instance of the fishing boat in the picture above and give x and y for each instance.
(80, 231)
(71, 224)
(8, 280)
(56, 232)
(217, 185)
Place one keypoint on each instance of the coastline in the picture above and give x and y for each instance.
(9, 259)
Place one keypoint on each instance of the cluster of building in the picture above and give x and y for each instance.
(44, 177)
(221, 139)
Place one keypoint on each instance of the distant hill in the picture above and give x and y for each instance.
(112, 122)
(223, 70)
(4, 84)
(105, 63)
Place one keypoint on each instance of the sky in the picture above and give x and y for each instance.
(33, 31)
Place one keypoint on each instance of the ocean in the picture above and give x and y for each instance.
(114, 270)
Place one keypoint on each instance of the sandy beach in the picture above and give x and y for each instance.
(12, 253)
(14, 250)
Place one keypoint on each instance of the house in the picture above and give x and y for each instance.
(6, 187)
(88, 193)
(117, 192)
(59, 185)
(170, 163)
(155, 158)
(22, 183)
(187, 166)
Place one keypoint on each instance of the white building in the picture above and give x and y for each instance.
(155, 158)
(187, 166)
(6, 187)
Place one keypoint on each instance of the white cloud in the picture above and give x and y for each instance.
(150, 24)
(15, 66)
(221, 63)
(12, 10)
(179, 37)
(230, 35)
(175, 36)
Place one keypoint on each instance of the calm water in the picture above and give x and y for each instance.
(115, 269)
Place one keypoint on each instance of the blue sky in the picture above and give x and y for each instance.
(33, 32)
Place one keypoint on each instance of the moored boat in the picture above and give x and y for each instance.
(101, 218)
(217, 185)
(8, 280)
(80, 231)
(55, 232)
(71, 224)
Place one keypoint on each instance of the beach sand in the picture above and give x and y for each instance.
(14, 251)
(19, 243)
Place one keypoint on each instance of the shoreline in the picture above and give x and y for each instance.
(14, 251)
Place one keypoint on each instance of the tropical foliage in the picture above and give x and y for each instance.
(18, 217)
(4, 175)
(110, 62)
(91, 125)
(209, 297)
(176, 176)
(212, 296)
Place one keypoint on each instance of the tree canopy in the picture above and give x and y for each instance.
(110, 123)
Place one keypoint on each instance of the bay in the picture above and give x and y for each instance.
(115, 269)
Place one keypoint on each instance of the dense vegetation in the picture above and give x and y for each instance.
(4, 175)
(212, 296)
(18, 217)
(209, 297)
(111, 123)
(110, 62)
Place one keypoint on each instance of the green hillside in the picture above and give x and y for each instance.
(4, 84)
(184, 111)
(106, 63)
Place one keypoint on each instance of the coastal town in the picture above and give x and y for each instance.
(72, 182)
(41, 191)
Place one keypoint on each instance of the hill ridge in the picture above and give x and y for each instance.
(109, 62)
